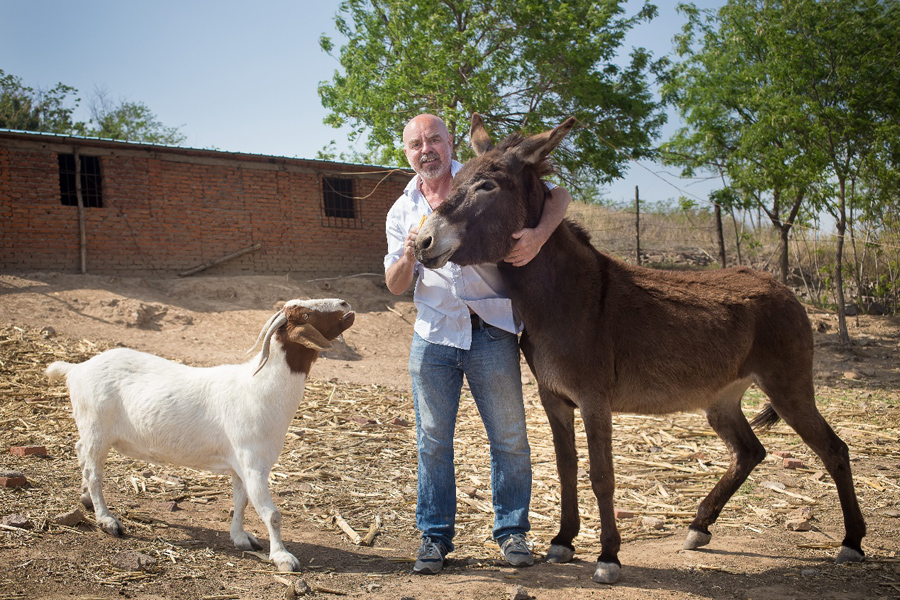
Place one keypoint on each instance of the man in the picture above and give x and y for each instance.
(465, 326)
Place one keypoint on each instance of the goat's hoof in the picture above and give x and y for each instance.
(848, 555)
(285, 562)
(559, 554)
(606, 573)
(111, 526)
(696, 539)
(246, 541)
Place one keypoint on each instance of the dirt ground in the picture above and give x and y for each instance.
(351, 450)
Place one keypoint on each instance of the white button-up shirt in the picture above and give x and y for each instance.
(444, 297)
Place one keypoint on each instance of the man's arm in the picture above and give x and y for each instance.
(530, 241)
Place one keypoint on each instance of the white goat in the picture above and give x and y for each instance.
(224, 419)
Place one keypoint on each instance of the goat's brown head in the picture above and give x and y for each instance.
(494, 195)
(310, 324)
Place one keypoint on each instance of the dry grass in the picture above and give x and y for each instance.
(351, 450)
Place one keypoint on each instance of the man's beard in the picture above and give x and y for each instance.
(433, 169)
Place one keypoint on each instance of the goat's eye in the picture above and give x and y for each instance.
(306, 316)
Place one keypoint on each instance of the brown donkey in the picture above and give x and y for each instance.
(604, 336)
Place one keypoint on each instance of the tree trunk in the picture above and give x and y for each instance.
(637, 227)
(838, 268)
(784, 230)
(720, 234)
(737, 237)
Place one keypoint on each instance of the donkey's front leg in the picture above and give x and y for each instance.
(561, 416)
(598, 426)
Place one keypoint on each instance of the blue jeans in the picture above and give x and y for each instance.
(491, 367)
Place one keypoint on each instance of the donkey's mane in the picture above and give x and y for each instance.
(580, 232)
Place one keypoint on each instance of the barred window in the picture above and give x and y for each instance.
(337, 198)
(91, 181)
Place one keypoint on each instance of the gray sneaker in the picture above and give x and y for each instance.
(430, 559)
(517, 551)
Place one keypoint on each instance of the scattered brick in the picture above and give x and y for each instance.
(471, 492)
(12, 479)
(624, 514)
(517, 592)
(16, 520)
(28, 451)
(653, 522)
(782, 454)
(69, 519)
(793, 463)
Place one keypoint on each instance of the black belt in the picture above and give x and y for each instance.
(477, 322)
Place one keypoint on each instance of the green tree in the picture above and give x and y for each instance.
(27, 109)
(738, 124)
(129, 121)
(790, 98)
(51, 111)
(524, 64)
(847, 86)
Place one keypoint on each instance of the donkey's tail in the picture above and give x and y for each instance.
(765, 419)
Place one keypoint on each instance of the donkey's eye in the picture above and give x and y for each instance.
(486, 186)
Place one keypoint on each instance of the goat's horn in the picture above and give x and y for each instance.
(262, 332)
(274, 323)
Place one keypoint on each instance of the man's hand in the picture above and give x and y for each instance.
(399, 276)
(409, 244)
(530, 241)
(528, 244)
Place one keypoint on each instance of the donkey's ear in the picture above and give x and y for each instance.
(481, 142)
(538, 147)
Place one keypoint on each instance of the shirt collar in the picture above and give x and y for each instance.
(412, 188)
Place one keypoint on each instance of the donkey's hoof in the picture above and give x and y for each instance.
(606, 573)
(846, 555)
(696, 539)
(559, 554)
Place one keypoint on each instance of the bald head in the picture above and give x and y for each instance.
(427, 145)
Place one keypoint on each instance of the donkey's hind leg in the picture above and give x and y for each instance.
(727, 420)
(800, 412)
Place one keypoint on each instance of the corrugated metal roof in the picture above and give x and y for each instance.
(66, 136)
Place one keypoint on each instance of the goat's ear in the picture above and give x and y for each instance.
(478, 136)
(308, 336)
(534, 149)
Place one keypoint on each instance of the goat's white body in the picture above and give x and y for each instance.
(229, 419)
(221, 419)
(163, 412)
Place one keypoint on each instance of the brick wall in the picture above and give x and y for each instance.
(167, 210)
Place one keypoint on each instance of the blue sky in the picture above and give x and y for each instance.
(232, 75)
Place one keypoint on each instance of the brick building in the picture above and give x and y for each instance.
(160, 210)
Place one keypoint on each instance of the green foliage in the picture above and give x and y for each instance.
(27, 109)
(134, 122)
(524, 64)
(52, 111)
(792, 102)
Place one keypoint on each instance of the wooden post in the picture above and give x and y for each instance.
(637, 227)
(80, 200)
